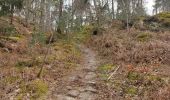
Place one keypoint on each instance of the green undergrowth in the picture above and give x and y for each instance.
(9, 80)
(104, 71)
(144, 37)
(158, 22)
(164, 18)
(36, 88)
(14, 38)
(83, 34)
(137, 84)
(22, 64)
(63, 56)
(6, 28)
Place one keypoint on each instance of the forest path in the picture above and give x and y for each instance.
(80, 84)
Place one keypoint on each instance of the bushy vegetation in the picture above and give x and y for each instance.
(83, 34)
(158, 22)
(37, 89)
(21, 57)
(140, 54)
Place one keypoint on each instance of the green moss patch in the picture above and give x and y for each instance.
(36, 89)
(133, 76)
(143, 37)
(10, 79)
(131, 90)
(106, 68)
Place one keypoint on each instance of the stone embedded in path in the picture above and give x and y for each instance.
(86, 96)
(91, 89)
(69, 87)
(92, 83)
(90, 69)
(73, 93)
(63, 97)
(90, 76)
(74, 78)
(81, 89)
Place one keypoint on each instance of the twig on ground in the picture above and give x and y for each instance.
(116, 69)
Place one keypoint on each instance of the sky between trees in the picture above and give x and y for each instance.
(149, 6)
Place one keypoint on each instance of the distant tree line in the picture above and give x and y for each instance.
(161, 6)
(67, 15)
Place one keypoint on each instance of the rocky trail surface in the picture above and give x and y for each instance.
(80, 84)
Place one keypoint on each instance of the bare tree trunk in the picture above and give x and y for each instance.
(60, 17)
(48, 16)
(39, 75)
(97, 13)
(127, 15)
(72, 14)
(42, 6)
(113, 10)
(12, 14)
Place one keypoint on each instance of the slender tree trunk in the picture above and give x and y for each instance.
(97, 13)
(12, 14)
(72, 14)
(113, 10)
(42, 6)
(127, 15)
(60, 17)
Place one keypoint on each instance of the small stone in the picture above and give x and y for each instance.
(81, 89)
(69, 98)
(85, 96)
(63, 97)
(93, 83)
(91, 89)
(69, 87)
(73, 93)
(74, 78)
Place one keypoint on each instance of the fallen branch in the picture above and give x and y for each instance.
(45, 56)
(116, 69)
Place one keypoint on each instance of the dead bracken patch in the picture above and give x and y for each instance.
(142, 56)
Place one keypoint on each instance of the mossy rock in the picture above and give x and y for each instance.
(14, 38)
(142, 37)
(11, 38)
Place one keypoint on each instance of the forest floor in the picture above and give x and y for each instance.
(112, 65)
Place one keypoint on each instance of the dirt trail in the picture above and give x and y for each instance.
(80, 83)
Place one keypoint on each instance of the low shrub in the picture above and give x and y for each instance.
(36, 89)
